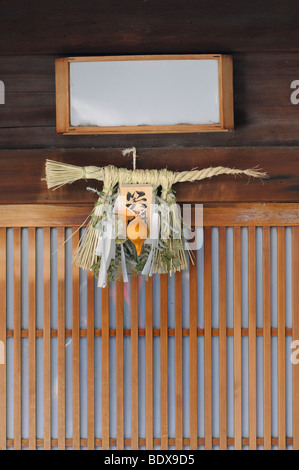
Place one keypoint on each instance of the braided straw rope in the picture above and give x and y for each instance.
(58, 174)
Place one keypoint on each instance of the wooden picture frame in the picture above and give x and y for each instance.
(224, 92)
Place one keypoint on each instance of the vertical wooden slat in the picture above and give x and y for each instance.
(193, 353)
(47, 337)
(281, 337)
(61, 338)
(237, 341)
(164, 360)
(267, 337)
(76, 345)
(105, 369)
(119, 365)
(222, 341)
(252, 335)
(17, 338)
(149, 437)
(178, 363)
(3, 339)
(32, 338)
(134, 363)
(295, 295)
(208, 337)
(90, 360)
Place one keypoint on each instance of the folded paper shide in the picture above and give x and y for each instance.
(136, 225)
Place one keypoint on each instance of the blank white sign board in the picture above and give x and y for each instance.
(144, 93)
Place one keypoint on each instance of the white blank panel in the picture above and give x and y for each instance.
(144, 92)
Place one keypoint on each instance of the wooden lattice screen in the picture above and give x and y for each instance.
(157, 362)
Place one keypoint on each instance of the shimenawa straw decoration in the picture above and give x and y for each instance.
(115, 255)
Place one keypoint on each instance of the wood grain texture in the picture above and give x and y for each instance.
(32, 337)
(134, 364)
(17, 339)
(281, 338)
(193, 353)
(90, 362)
(267, 337)
(98, 333)
(295, 303)
(208, 336)
(221, 214)
(252, 336)
(178, 339)
(3, 391)
(149, 392)
(222, 341)
(61, 336)
(120, 364)
(264, 114)
(47, 336)
(105, 370)
(21, 181)
(164, 361)
(237, 341)
(157, 442)
(109, 28)
(76, 345)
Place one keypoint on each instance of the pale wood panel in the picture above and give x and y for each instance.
(32, 337)
(76, 345)
(47, 337)
(3, 338)
(295, 303)
(281, 337)
(208, 337)
(164, 360)
(105, 369)
(120, 363)
(90, 361)
(61, 337)
(222, 341)
(178, 338)
(17, 339)
(149, 364)
(134, 363)
(267, 337)
(237, 341)
(193, 353)
(252, 335)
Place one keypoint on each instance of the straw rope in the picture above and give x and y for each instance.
(58, 174)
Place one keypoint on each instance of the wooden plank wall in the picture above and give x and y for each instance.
(263, 41)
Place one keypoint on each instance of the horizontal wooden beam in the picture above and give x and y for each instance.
(157, 442)
(246, 214)
(141, 332)
(23, 171)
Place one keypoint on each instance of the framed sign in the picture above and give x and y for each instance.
(144, 94)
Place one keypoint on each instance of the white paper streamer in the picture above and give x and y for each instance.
(106, 245)
(123, 264)
(153, 240)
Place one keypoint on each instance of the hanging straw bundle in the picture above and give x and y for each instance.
(166, 256)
